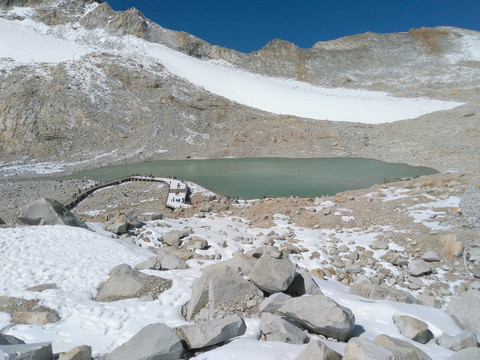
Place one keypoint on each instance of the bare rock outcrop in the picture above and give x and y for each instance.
(48, 212)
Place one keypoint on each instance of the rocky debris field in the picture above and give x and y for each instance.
(412, 242)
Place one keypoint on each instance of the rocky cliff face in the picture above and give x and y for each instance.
(104, 108)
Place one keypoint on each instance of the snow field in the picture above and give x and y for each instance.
(43, 44)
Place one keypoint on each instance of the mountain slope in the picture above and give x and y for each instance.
(80, 88)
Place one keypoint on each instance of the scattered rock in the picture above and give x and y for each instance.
(125, 283)
(430, 256)
(419, 268)
(82, 352)
(465, 309)
(316, 350)
(379, 245)
(455, 343)
(319, 314)
(155, 341)
(42, 287)
(47, 212)
(453, 247)
(37, 351)
(413, 328)
(272, 275)
(274, 328)
(27, 311)
(151, 264)
(364, 287)
(210, 333)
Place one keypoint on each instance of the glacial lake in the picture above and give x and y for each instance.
(273, 177)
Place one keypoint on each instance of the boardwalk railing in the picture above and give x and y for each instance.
(180, 192)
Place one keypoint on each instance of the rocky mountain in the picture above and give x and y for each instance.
(107, 102)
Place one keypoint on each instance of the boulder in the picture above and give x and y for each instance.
(419, 268)
(320, 315)
(390, 342)
(379, 245)
(465, 309)
(117, 227)
(149, 264)
(125, 283)
(360, 348)
(170, 261)
(212, 332)
(271, 274)
(10, 340)
(82, 352)
(273, 303)
(47, 212)
(2, 222)
(243, 262)
(458, 342)
(274, 328)
(452, 246)
(365, 288)
(316, 350)
(303, 284)
(413, 328)
(25, 311)
(430, 256)
(223, 290)
(155, 341)
(37, 351)
(171, 238)
(473, 254)
(466, 354)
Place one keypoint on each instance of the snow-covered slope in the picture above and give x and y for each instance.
(28, 42)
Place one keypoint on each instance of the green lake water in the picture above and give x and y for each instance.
(274, 177)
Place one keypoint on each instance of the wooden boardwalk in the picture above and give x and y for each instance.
(177, 190)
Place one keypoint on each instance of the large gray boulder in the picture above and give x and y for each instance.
(390, 342)
(302, 284)
(170, 261)
(419, 268)
(153, 342)
(241, 261)
(458, 342)
(465, 309)
(273, 302)
(125, 283)
(10, 340)
(212, 332)
(47, 212)
(360, 348)
(274, 328)
(222, 289)
(272, 274)
(320, 315)
(37, 351)
(413, 328)
(316, 350)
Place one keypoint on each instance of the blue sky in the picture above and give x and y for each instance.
(248, 25)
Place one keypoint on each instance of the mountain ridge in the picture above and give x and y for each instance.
(113, 108)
